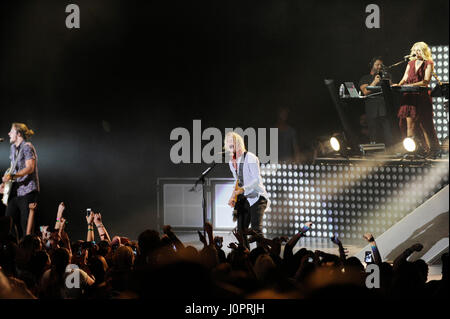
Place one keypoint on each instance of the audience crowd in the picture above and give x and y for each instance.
(50, 265)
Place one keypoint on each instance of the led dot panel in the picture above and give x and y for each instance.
(440, 56)
(346, 199)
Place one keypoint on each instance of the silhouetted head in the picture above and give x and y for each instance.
(353, 263)
(31, 243)
(103, 248)
(263, 266)
(123, 258)
(7, 258)
(148, 241)
(60, 260)
(255, 253)
(98, 267)
(39, 262)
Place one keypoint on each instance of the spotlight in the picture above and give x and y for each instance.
(409, 144)
(326, 146)
(335, 145)
(339, 145)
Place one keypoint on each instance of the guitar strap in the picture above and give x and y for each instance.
(14, 163)
(254, 193)
(240, 174)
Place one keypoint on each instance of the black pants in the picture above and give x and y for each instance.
(18, 209)
(380, 130)
(251, 215)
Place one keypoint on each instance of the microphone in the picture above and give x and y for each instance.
(409, 56)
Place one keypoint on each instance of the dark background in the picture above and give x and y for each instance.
(104, 98)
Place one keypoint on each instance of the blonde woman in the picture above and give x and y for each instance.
(252, 198)
(416, 109)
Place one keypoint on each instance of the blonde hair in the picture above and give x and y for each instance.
(24, 131)
(238, 141)
(426, 52)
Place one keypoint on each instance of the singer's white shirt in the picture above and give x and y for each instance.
(252, 177)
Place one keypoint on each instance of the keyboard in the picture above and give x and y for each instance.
(400, 89)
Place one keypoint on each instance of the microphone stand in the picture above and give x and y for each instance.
(398, 63)
(202, 180)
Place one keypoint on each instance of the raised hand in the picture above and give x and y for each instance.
(202, 238)
(336, 240)
(284, 239)
(167, 229)
(377, 79)
(90, 218)
(45, 233)
(218, 241)
(318, 253)
(252, 232)
(346, 252)
(61, 209)
(368, 237)
(208, 227)
(209, 230)
(97, 219)
(275, 246)
(307, 255)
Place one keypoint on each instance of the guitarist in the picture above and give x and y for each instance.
(24, 175)
(249, 198)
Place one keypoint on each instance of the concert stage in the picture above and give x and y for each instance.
(346, 197)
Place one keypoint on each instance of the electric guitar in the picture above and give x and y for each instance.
(7, 188)
(235, 212)
(8, 184)
(237, 202)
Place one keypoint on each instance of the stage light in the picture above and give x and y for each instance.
(335, 145)
(409, 144)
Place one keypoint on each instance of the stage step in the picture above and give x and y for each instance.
(427, 224)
